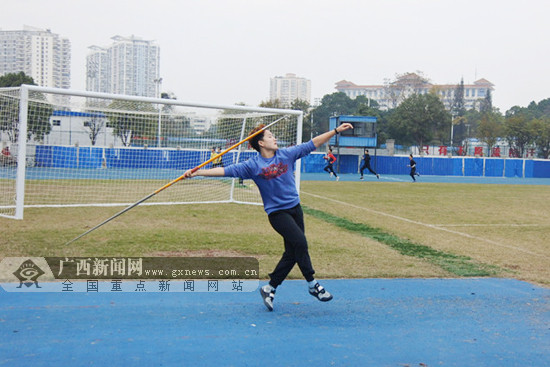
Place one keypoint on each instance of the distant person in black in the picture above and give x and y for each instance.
(412, 164)
(366, 164)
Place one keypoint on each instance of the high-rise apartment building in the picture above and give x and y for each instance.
(98, 70)
(39, 53)
(289, 88)
(130, 66)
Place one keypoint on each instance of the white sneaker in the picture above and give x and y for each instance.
(338, 178)
(331, 174)
(320, 293)
(267, 296)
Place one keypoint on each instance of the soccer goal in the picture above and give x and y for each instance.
(66, 148)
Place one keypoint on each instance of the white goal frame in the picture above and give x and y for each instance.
(21, 167)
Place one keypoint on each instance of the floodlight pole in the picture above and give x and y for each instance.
(452, 131)
(158, 82)
(311, 125)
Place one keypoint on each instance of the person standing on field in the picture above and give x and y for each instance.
(366, 165)
(218, 161)
(273, 172)
(330, 161)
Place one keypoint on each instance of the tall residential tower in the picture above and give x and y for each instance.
(289, 88)
(39, 53)
(130, 66)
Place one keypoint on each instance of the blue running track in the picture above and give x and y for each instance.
(370, 322)
(429, 178)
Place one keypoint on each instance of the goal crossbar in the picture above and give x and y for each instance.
(165, 101)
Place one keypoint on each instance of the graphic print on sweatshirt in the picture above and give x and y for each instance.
(274, 171)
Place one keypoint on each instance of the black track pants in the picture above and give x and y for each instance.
(367, 166)
(329, 169)
(289, 223)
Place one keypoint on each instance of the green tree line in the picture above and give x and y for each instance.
(421, 119)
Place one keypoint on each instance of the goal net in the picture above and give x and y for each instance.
(63, 148)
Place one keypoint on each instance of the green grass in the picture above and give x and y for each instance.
(458, 265)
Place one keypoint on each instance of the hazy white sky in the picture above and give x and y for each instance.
(226, 51)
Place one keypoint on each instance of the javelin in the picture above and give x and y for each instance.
(175, 180)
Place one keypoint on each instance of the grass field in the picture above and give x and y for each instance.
(354, 229)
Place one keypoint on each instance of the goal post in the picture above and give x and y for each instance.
(68, 148)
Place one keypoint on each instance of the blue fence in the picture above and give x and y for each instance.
(96, 157)
(438, 166)
(128, 158)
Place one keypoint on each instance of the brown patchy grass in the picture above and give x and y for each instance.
(501, 225)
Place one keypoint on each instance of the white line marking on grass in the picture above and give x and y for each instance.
(487, 225)
(393, 179)
(430, 226)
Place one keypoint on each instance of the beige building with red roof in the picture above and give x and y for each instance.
(393, 93)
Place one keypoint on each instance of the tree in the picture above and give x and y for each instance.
(533, 111)
(486, 103)
(38, 113)
(302, 105)
(518, 132)
(541, 131)
(526, 125)
(543, 108)
(372, 108)
(275, 103)
(9, 117)
(366, 106)
(418, 119)
(15, 80)
(38, 116)
(131, 119)
(338, 104)
(490, 129)
(467, 127)
(94, 125)
(334, 104)
(458, 108)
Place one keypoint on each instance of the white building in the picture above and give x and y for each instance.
(200, 124)
(75, 128)
(130, 66)
(391, 95)
(289, 88)
(39, 53)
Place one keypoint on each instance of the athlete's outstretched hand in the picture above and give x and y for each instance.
(325, 137)
(189, 173)
(345, 126)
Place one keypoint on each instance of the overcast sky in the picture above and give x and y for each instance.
(226, 51)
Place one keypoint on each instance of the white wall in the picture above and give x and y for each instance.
(72, 131)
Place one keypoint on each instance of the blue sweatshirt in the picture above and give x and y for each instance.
(274, 176)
